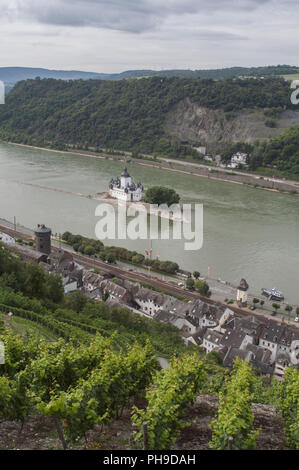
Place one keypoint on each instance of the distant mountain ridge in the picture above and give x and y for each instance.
(12, 75)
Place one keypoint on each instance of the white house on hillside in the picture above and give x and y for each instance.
(237, 159)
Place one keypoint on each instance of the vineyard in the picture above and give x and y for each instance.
(81, 371)
(79, 388)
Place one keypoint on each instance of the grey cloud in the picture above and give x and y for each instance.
(125, 15)
(197, 34)
(211, 35)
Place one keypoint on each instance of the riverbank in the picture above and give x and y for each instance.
(222, 291)
(187, 168)
(242, 228)
(165, 214)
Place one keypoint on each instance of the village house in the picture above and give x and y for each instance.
(200, 149)
(61, 262)
(270, 346)
(151, 302)
(280, 338)
(206, 315)
(178, 307)
(196, 339)
(183, 324)
(116, 292)
(26, 253)
(91, 281)
(5, 238)
(212, 340)
(237, 159)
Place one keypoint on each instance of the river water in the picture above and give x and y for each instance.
(247, 232)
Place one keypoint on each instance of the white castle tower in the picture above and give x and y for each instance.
(125, 179)
(125, 189)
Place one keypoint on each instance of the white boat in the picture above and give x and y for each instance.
(273, 294)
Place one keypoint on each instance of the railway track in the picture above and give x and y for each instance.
(92, 263)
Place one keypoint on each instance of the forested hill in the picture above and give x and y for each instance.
(12, 75)
(126, 114)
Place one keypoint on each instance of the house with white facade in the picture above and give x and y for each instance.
(237, 159)
(201, 149)
(212, 340)
(151, 302)
(179, 322)
(280, 338)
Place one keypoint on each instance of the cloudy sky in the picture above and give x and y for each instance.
(116, 35)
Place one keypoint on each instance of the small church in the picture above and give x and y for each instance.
(125, 189)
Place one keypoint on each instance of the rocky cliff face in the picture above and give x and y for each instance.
(189, 121)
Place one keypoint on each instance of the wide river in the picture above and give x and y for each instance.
(247, 232)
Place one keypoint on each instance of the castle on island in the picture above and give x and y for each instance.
(125, 189)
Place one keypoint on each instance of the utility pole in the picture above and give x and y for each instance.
(15, 223)
(150, 257)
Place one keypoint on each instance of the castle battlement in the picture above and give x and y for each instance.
(125, 189)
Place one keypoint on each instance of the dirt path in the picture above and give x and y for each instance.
(39, 433)
(6, 320)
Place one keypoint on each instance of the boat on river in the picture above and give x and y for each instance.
(273, 294)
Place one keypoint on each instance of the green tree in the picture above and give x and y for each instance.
(110, 257)
(34, 284)
(203, 288)
(54, 288)
(161, 195)
(190, 283)
(89, 250)
(75, 301)
(289, 406)
(275, 306)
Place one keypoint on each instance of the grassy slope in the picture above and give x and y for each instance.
(24, 327)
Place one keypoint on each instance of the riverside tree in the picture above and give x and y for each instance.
(161, 195)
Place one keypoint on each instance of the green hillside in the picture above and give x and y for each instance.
(126, 114)
(132, 115)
